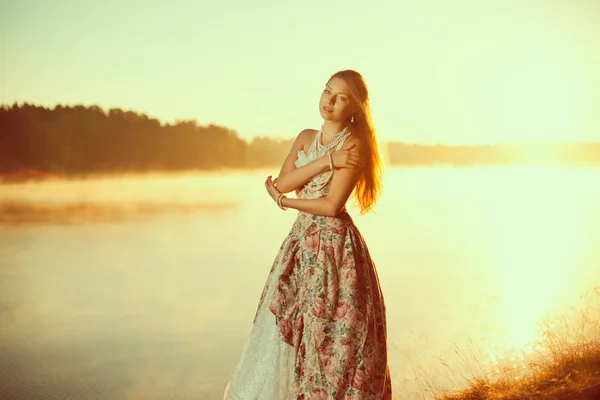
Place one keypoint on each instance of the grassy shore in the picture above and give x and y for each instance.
(566, 366)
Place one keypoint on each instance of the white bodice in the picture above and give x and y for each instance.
(319, 185)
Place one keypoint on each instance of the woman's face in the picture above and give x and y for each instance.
(335, 104)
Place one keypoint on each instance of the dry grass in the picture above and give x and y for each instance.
(27, 213)
(567, 365)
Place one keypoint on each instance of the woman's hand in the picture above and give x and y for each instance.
(348, 158)
(271, 188)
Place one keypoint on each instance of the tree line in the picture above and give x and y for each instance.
(72, 140)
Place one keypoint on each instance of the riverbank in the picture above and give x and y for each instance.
(567, 366)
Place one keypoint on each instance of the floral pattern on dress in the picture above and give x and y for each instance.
(329, 306)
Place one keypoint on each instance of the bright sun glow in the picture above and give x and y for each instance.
(534, 257)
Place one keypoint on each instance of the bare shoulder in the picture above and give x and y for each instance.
(308, 133)
(353, 141)
(305, 138)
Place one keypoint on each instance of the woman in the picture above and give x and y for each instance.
(320, 328)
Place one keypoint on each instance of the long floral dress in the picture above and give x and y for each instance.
(320, 328)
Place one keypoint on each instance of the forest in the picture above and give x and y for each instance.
(79, 140)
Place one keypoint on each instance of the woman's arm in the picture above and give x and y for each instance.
(291, 178)
(342, 185)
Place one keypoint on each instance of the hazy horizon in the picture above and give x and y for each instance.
(291, 138)
(458, 73)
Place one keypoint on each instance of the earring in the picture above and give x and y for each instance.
(352, 119)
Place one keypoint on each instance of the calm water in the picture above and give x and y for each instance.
(159, 306)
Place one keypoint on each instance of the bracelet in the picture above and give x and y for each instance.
(280, 203)
(330, 163)
(279, 200)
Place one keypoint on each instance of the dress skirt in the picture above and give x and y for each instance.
(320, 328)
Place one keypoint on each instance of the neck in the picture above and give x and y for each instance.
(333, 127)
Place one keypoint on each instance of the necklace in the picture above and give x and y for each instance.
(322, 149)
(335, 135)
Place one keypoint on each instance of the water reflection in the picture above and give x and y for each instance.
(160, 306)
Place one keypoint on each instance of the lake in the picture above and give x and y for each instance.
(149, 290)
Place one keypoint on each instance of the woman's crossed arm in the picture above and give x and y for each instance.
(291, 178)
(342, 185)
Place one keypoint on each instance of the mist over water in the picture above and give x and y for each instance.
(145, 287)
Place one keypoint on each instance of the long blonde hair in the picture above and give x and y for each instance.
(367, 190)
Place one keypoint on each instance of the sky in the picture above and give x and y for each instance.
(439, 72)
